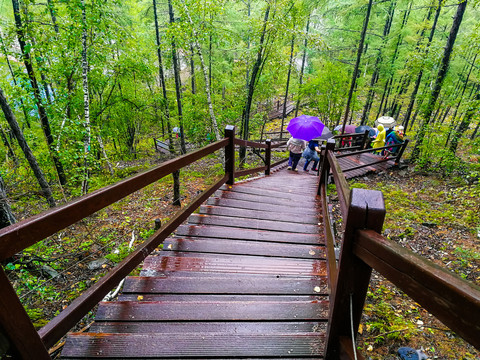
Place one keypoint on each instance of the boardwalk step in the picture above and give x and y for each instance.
(285, 208)
(254, 224)
(225, 232)
(225, 285)
(212, 311)
(263, 200)
(189, 345)
(242, 247)
(253, 189)
(249, 327)
(260, 214)
(155, 265)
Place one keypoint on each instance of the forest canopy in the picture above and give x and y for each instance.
(87, 84)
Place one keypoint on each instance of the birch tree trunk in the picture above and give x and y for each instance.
(12, 121)
(205, 74)
(86, 102)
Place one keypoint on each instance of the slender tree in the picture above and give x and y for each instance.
(36, 92)
(442, 72)
(37, 171)
(256, 71)
(302, 69)
(284, 110)
(465, 123)
(357, 64)
(86, 102)
(413, 96)
(6, 216)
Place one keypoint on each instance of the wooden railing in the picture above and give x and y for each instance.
(453, 300)
(15, 326)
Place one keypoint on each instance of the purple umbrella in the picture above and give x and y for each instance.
(305, 127)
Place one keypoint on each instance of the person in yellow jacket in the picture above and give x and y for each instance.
(380, 139)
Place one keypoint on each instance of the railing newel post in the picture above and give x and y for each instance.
(325, 166)
(365, 211)
(268, 156)
(230, 154)
(24, 339)
(400, 152)
(365, 137)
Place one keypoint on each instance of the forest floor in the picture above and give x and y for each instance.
(436, 218)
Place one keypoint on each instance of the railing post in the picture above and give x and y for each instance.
(230, 154)
(325, 166)
(365, 137)
(366, 211)
(268, 156)
(14, 321)
(400, 153)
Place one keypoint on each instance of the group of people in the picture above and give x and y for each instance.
(386, 137)
(309, 150)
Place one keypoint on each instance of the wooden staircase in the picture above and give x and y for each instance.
(245, 278)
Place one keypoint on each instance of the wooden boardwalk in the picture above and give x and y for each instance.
(244, 278)
(353, 161)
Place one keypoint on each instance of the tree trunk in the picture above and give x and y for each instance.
(12, 121)
(104, 153)
(256, 70)
(25, 113)
(38, 100)
(192, 73)
(465, 123)
(357, 64)
(6, 215)
(162, 80)
(86, 102)
(442, 71)
(300, 82)
(204, 68)
(375, 75)
(284, 111)
(420, 74)
(178, 85)
(9, 147)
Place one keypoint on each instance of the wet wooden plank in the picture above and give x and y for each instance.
(248, 234)
(295, 211)
(242, 247)
(234, 264)
(265, 199)
(258, 214)
(226, 285)
(190, 345)
(257, 224)
(252, 189)
(210, 327)
(211, 311)
(214, 297)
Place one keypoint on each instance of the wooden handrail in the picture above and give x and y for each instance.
(453, 300)
(329, 241)
(343, 190)
(245, 143)
(25, 233)
(369, 150)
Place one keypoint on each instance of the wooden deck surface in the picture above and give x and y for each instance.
(362, 159)
(244, 278)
